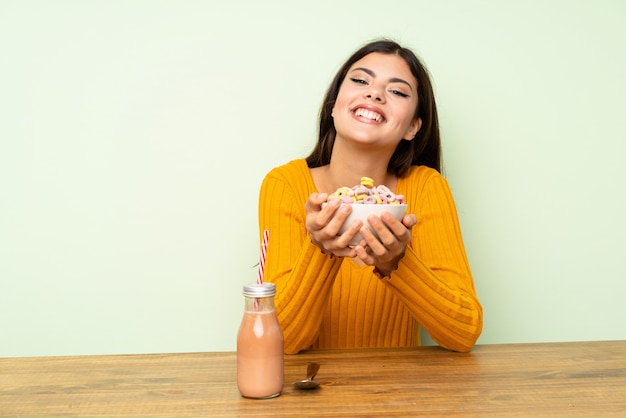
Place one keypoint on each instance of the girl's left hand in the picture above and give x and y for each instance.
(385, 251)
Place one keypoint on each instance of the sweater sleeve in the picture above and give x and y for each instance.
(433, 278)
(303, 275)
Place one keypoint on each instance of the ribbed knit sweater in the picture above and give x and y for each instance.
(324, 301)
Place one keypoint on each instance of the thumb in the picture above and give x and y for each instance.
(409, 220)
(319, 198)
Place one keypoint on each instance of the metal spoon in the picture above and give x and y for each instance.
(308, 383)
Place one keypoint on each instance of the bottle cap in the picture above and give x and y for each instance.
(259, 290)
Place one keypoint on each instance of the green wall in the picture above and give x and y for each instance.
(135, 135)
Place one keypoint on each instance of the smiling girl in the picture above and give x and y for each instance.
(378, 119)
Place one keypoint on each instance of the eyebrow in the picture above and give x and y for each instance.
(391, 80)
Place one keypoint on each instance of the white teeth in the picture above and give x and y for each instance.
(368, 114)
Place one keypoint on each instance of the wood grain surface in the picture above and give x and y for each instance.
(526, 380)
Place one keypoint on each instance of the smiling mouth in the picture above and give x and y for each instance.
(368, 114)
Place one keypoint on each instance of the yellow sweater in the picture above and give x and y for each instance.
(331, 302)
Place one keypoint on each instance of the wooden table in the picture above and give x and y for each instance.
(558, 379)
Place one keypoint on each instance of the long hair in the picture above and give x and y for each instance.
(424, 149)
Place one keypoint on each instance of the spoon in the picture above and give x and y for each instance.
(308, 383)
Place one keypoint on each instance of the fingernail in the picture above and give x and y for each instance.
(356, 225)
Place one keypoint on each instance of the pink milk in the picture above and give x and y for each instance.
(260, 345)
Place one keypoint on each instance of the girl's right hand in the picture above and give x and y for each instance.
(323, 225)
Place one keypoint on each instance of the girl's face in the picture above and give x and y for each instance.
(376, 102)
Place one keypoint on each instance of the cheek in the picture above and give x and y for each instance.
(344, 96)
(405, 116)
(340, 106)
(410, 114)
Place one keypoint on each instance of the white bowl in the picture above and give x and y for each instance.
(361, 212)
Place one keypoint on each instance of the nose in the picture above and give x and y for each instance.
(373, 93)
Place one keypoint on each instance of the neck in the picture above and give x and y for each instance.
(347, 166)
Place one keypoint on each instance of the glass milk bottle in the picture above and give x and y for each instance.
(259, 345)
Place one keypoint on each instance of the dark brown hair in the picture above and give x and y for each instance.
(424, 149)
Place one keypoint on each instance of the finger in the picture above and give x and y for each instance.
(382, 226)
(348, 234)
(376, 247)
(327, 226)
(400, 232)
(319, 198)
(339, 252)
(315, 201)
(339, 216)
(345, 252)
(317, 217)
(364, 254)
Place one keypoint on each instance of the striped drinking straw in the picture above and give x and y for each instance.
(261, 270)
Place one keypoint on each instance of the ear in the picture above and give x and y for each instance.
(413, 129)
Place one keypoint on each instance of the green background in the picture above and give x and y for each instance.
(135, 134)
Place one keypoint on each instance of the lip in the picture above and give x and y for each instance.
(370, 108)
